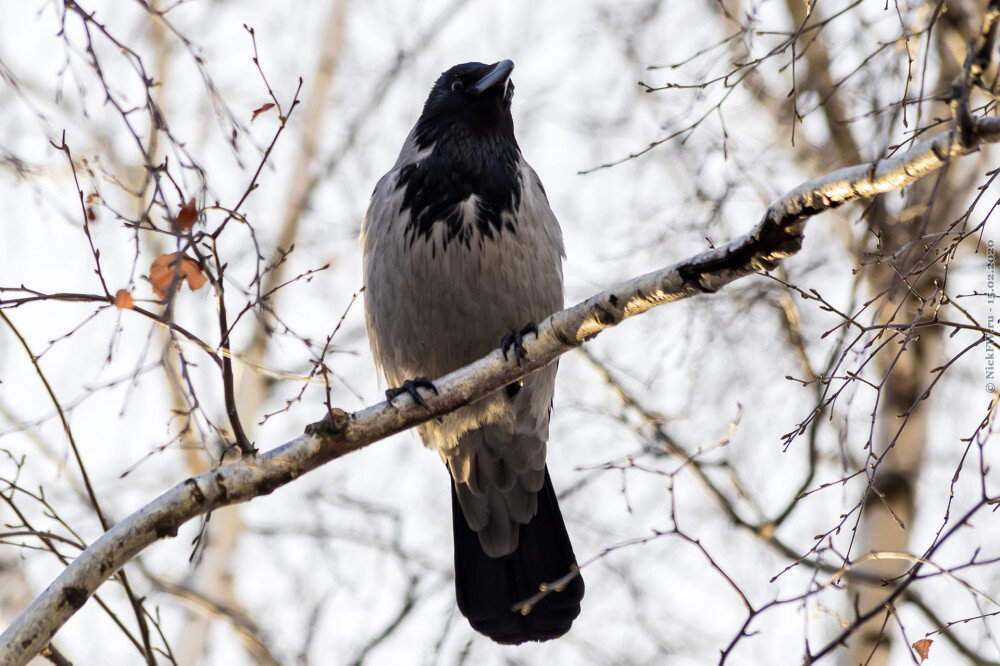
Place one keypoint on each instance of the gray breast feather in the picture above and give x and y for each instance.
(432, 307)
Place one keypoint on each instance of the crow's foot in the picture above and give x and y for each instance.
(515, 340)
(410, 387)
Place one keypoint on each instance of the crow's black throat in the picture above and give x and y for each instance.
(438, 186)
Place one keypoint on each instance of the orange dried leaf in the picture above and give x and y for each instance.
(262, 109)
(187, 215)
(163, 271)
(124, 300)
(923, 647)
(192, 273)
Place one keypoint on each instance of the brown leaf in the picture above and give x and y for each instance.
(923, 648)
(193, 274)
(124, 300)
(162, 273)
(187, 215)
(257, 112)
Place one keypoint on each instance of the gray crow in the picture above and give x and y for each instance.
(461, 249)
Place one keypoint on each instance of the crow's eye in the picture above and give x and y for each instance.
(456, 86)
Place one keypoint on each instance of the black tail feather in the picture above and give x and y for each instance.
(488, 588)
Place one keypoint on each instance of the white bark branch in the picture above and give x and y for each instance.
(778, 235)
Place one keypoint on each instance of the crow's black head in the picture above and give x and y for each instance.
(466, 120)
(469, 101)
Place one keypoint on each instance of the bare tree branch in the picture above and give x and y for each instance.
(777, 236)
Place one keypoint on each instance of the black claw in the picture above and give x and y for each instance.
(515, 340)
(410, 387)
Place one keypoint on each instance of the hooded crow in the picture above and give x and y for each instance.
(460, 249)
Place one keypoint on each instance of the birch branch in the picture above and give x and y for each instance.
(777, 236)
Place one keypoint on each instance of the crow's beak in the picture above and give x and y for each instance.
(498, 75)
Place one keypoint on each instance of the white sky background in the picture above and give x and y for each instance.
(698, 362)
